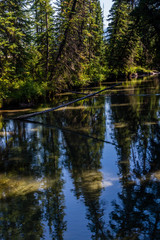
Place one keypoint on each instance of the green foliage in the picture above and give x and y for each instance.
(121, 37)
(46, 48)
(148, 15)
(133, 36)
(139, 70)
(14, 38)
(28, 90)
(43, 35)
(80, 32)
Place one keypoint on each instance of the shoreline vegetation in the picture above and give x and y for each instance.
(14, 103)
(46, 49)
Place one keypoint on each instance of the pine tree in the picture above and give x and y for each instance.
(95, 43)
(43, 34)
(117, 31)
(133, 35)
(14, 38)
(79, 41)
(148, 17)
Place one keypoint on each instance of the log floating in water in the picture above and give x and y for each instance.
(65, 104)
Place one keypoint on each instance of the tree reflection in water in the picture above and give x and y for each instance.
(137, 214)
(31, 165)
(82, 159)
(33, 158)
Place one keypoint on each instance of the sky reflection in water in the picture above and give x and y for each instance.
(90, 171)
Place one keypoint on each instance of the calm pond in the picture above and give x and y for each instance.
(88, 171)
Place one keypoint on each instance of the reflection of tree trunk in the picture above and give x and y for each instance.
(94, 213)
(134, 159)
(90, 194)
(145, 153)
(99, 224)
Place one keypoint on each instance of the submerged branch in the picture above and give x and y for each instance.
(69, 130)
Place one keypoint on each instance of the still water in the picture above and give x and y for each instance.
(87, 171)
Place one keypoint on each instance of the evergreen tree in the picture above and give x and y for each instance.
(133, 35)
(43, 36)
(95, 43)
(148, 17)
(78, 42)
(117, 32)
(14, 39)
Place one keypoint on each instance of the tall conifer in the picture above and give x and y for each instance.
(43, 18)
(14, 38)
(117, 30)
(79, 41)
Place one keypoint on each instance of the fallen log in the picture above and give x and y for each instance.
(69, 131)
(65, 104)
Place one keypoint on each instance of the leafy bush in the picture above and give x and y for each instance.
(28, 90)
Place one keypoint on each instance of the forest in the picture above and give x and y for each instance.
(48, 47)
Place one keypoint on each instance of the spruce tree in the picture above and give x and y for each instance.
(14, 39)
(133, 35)
(148, 17)
(95, 43)
(79, 41)
(116, 33)
(43, 35)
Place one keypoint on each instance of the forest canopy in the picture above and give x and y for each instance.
(46, 47)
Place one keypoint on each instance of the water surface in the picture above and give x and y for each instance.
(87, 171)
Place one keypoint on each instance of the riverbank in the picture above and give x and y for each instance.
(30, 94)
(66, 174)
